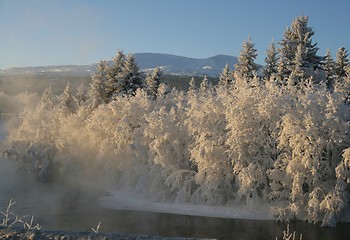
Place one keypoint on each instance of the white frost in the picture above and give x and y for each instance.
(124, 200)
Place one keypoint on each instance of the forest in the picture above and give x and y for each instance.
(276, 135)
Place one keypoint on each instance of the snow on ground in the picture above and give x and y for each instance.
(123, 200)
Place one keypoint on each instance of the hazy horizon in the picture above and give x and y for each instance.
(110, 58)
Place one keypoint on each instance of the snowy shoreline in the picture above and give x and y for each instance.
(124, 200)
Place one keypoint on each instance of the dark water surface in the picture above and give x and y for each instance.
(204, 227)
(85, 213)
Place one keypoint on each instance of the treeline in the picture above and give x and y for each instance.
(277, 137)
(293, 61)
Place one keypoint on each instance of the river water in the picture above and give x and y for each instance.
(205, 227)
(60, 208)
(83, 216)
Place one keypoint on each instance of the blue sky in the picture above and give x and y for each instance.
(54, 32)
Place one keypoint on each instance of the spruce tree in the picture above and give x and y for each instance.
(79, 96)
(225, 78)
(297, 75)
(112, 73)
(65, 100)
(342, 86)
(271, 60)
(341, 63)
(46, 99)
(246, 65)
(129, 78)
(281, 70)
(204, 86)
(98, 92)
(299, 33)
(329, 68)
(192, 88)
(153, 81)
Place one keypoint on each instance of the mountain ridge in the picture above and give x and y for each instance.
(169, 63)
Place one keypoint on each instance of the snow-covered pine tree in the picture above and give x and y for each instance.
(97, 93)
(65, 100)
(112, 73)
(129, 79)
(46, 99)
(153, 81)
(342, 71)
(342, 86)
(192, 88)
(80, 96)
(246, 65)
(297, 74)
(226, 77)
(341, 63)
(329, 68)
(271, 60)
(204, 87)
(281, 70)
(299, 33)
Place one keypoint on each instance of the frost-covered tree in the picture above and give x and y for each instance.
(297, 74)
(271, 62)
(153, 81)
(206, 126)
(168, 141)
(310, 148)
(329, 68)
(226, 77)
(129, 79)
(98, 93)
(66, 101)
(192, 88)
(299, 33)
(112, 73)
(80, 96)
(341, 63)
(46, 99)
(205, 86)
(342, 86)
(246, 65)
(251, 125)
(342, 72)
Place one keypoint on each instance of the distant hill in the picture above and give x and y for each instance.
(170, 64)
(62, 70)
(178, 65)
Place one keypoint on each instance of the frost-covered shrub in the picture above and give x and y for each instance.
(310, 144)
(206, 124)
(168, 153)
(251, 124)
